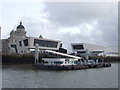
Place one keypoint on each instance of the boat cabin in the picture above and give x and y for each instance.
(60, 61)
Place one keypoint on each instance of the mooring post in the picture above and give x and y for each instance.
(36, 53)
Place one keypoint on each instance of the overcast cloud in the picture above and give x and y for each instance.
(95, 23)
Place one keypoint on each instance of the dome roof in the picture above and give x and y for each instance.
(20, 26)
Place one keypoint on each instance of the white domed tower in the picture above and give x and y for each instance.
(20, 30)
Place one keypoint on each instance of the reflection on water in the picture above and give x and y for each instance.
(25, 76)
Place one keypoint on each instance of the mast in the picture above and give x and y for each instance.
(87, 55)
(36, 53)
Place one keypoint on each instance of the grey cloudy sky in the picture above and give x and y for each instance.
(87, 22)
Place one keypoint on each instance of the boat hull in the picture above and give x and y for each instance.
(69, 67)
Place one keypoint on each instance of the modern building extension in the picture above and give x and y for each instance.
(94, 50)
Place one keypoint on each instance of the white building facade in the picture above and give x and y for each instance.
(19, 42)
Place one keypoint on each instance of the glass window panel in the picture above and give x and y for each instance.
(25, 42)
(20, 43)
(78, 47)
(45, 43)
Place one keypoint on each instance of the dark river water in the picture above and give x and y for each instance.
(25, 76)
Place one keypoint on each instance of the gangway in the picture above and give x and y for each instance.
(63, 54)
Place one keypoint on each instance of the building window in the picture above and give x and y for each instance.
(46, 43)
(78, 47)
(60, 44)
(25, 42)
(20, 43)
(15, 47)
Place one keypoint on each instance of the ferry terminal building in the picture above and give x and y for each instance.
(19, 42)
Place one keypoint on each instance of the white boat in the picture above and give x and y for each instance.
(73, 62)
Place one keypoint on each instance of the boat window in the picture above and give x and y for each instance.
(46, 62)
(66, 59)
(78, 59)
(58, 62)
(75, 62)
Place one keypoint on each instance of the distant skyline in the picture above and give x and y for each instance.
(80, 22)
